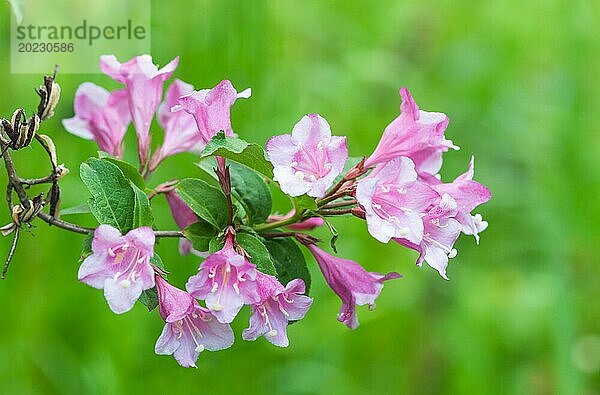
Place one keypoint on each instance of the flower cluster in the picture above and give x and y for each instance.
(250, 255)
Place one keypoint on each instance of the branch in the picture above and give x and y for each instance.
(343, 203)
(59, 223)
(278, 224)
(64, 224)
(15, 182)
(328, 213)
(14, 179)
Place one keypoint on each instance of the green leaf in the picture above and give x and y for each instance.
(129, 171)
(252, 192)
(200, 234)
(86, 246)
(238, 150)
(259, 255)
(142, 215)
(208, 166)
(209, 203)
(304, 202)
(157, 261)
(149, 298)
(81, 209)
(113, 198)
(288, 260)
(215, 244)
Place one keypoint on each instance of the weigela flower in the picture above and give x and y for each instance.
(100, 116)
(439, 235)
(184, 217)
(278, 306)
(189, 328)
(308, 224)
(181, 132)
(351, 282)
(211, 108)
(120, 265)
(416, 134)
(468, 194)
(308, 160)
(394, 201)
(144, 86)
(226, 281)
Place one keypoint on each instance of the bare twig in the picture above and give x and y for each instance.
(329, 213)
(343, 203)
(13, 247)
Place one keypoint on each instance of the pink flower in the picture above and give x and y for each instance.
(181, 132)
(394, 201)
(120, 265)
(189, 328)
(278, 306)
(440, 233)
(308, 160)
(414, 133)
(144, 86)
(184, 217)
(226, 281)
(211, 108)
(100, 116)
(468, 195)
(308, 224)
(353, 284)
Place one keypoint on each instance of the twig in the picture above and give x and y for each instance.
(343, 203)
(59, 223)
(329, 213)
(13, 247)
(222, 172)
(36, 181)
(64, 224)
(13, 179)
(274, 235)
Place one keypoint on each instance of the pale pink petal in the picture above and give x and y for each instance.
(167, 342)
(121, 298)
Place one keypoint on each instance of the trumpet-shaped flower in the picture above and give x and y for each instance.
(278, 306)
(181, 132)
(394, 201)
(351, 282)
(120, 265)
(468, 194)
(144, 86)
(100, 116)
(308, 160)
(211, 108)
(416, 134)
(226, 281)
(184, 217)
(189, 328)
(439, 235)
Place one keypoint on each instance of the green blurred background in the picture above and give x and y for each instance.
(521, 314)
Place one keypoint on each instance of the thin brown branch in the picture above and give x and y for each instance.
(331, 212)
(343, 203)
(13, 247)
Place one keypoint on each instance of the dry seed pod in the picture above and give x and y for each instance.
(49, 96)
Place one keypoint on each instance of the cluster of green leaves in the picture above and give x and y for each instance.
(250, 174)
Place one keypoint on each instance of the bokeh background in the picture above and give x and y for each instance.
(521, 313)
